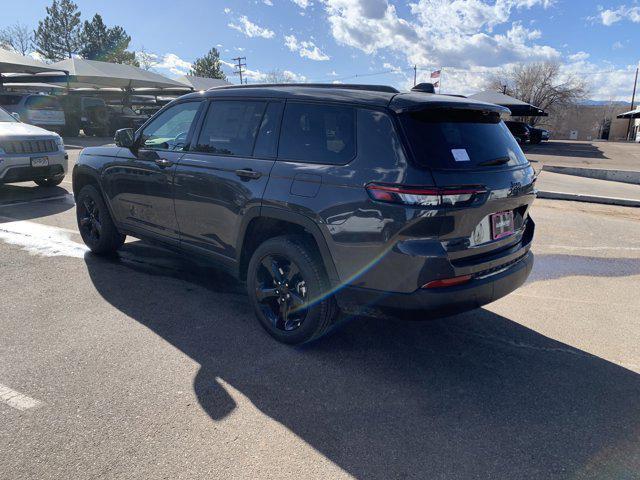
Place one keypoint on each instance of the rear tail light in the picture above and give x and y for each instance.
(448, 282)
(422, 196)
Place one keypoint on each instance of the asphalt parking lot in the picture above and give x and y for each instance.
(147, 365)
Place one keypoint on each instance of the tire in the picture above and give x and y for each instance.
(310, 311)
(49, 182)
(102, 237)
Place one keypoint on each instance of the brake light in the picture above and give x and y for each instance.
(448, 282)
(422, 196)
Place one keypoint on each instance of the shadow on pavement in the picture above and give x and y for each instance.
(42, 201)
(472, 396)
(565, 149)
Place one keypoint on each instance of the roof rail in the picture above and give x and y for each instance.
(343, 86)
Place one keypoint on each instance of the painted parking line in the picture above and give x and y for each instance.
(17, 400)
(37, 200)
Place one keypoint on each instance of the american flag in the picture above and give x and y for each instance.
(435, 74)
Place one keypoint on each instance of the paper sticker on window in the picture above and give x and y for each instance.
(460, 155)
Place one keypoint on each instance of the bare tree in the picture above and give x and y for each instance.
(278, 76)
(147, 60)
(541, 84)
(17, 37)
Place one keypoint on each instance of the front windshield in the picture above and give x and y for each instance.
(6, 116)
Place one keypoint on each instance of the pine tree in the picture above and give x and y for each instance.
(58, 35)
(100, 42)
(208, 66)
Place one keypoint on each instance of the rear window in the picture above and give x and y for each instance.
(316, 133)
(460, 139)
(38, 102)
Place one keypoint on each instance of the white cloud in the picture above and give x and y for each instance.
(227, 10)
(617, 45)
(268, 2)
(451, 32)
(608, 17)
(250, 29)
(302, 3)
(576, 57)
(305, 48)
(169, 62)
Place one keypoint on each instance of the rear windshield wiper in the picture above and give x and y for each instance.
(495, 161)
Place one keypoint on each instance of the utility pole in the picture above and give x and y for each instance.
(633, 99)
(240, 65)
(415, 74)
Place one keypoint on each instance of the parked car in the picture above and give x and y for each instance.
(520, 131)
(323, 198)
(121, 116)
(40, 110)
(537, 135)
(89, 114)
(30, 153)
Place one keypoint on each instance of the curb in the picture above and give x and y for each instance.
(622, 176)
(576, 197)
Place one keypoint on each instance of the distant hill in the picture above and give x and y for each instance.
(605, 102)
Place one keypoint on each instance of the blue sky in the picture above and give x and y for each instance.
(334, 40)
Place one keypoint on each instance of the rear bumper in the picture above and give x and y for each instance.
(480, 291)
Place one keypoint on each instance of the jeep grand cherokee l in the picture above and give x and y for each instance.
(30, 153)
(323, 198)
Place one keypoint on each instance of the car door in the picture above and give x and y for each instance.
(225, 173)
(140, 183)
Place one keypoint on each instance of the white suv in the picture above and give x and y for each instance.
(30, 153)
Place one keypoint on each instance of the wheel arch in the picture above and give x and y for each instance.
(272, 222)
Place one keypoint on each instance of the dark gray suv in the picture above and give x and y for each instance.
(323, 198)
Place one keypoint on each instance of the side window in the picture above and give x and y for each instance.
(230, 127)
(378, 139)
(267, 141)
(169, 130)
(318, 133)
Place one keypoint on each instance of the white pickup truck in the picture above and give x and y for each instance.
(30, 153)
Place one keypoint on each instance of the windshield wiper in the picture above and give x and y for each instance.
(495, 161)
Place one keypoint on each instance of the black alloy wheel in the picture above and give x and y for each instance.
(289, 289)
(95, 224)
(282, 292)
(89, 219)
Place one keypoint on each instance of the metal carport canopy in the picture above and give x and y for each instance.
(95, 74)
(12, 62)
(518, 107)
(631, 114)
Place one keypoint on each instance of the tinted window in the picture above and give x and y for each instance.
(10, 99)
(267, 141)
(442, 138)
(377, 139)
(318, 133)
(230, 127)
(168, 131)
(38, 102)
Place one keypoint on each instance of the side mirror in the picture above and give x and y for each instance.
(125, 138)
(16, 115)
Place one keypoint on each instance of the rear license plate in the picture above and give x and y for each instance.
(39, 161)
(502, 224)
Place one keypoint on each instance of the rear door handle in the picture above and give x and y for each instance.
(163, 162)
(248, 173)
